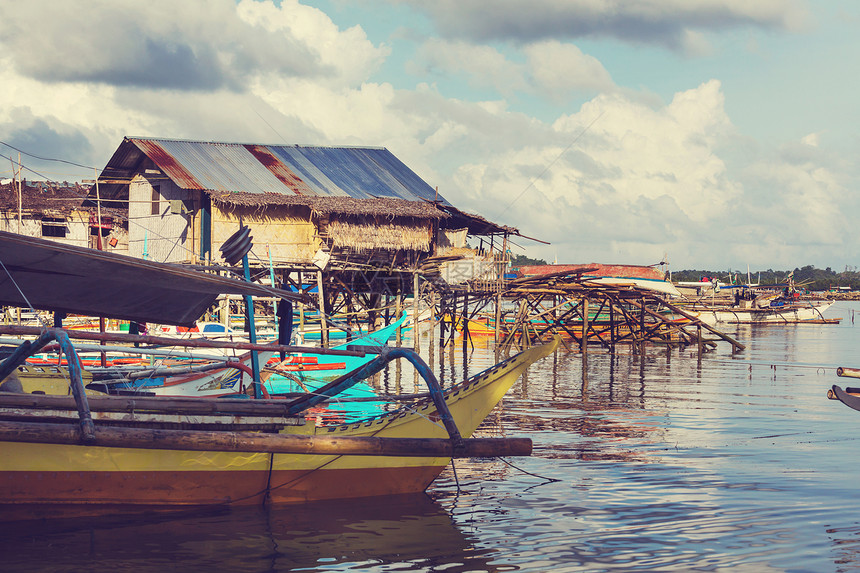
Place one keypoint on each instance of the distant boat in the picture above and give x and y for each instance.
(789, 313)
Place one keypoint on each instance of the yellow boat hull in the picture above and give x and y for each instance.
(56, 476)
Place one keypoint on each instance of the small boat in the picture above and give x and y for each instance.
(787, 313)
(77, 454)
(226, 378)
(311, 370)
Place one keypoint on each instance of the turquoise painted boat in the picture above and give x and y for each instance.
(307, 372)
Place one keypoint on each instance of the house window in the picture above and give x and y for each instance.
(54, 227)
(156, 200)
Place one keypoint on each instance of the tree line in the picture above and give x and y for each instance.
(807, 277)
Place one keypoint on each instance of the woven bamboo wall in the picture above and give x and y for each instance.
(288, 231)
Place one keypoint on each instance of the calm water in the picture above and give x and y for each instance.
(658, 462)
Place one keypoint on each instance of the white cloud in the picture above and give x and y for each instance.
(349, 52)
(551, 70)
(559, 70)
(632, 152)
(482, 66)
(811, 139)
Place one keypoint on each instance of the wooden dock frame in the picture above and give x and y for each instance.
(583, 313)
(526, 311)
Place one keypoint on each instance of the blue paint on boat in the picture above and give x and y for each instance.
(314, 379)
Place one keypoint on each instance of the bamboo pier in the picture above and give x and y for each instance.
(530, 310)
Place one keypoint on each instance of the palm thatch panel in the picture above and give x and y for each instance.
(365, 236)
(323, 206)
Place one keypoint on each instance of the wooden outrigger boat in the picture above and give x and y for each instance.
(82, 454)
(790, 313)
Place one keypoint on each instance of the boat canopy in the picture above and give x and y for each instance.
(47, 275)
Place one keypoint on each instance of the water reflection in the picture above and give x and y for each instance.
(313, 537)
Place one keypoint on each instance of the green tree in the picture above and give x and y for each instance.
(518, 261)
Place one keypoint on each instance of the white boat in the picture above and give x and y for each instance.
(789, 313)
(233, 377)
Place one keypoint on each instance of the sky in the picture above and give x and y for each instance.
(711, 134)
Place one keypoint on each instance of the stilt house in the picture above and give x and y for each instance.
(358, 215)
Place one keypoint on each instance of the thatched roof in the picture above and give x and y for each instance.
(42, 197)
(48, 199)
(378, 207)
(476, 224)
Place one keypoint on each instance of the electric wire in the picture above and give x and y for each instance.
(46, 158)
(551, 163)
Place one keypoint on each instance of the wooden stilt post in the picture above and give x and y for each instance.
(583, 344)
(430, 345)
(443, 313)
(399, 308)
(699, 338)
(467, 336)
(612, 324)
(301, 312)
(415, 335)
(349, 309)
(323, 323)
(498, 318)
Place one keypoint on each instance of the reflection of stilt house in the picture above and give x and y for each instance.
(356, 222)
(55, 212)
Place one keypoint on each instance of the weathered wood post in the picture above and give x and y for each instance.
(430, 345)
(612, 324)
(415, 335)
(699, 338)
(583, 344)
(398, 305)
(323, 323)
(498, 318)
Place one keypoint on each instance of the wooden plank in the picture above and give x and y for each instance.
(178, 405)
(199, 440)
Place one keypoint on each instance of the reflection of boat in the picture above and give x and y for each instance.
(405, 529)
(99, 453)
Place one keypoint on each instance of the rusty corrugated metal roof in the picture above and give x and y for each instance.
(357, 172)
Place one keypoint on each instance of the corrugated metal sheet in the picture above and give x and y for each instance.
(362, 173)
